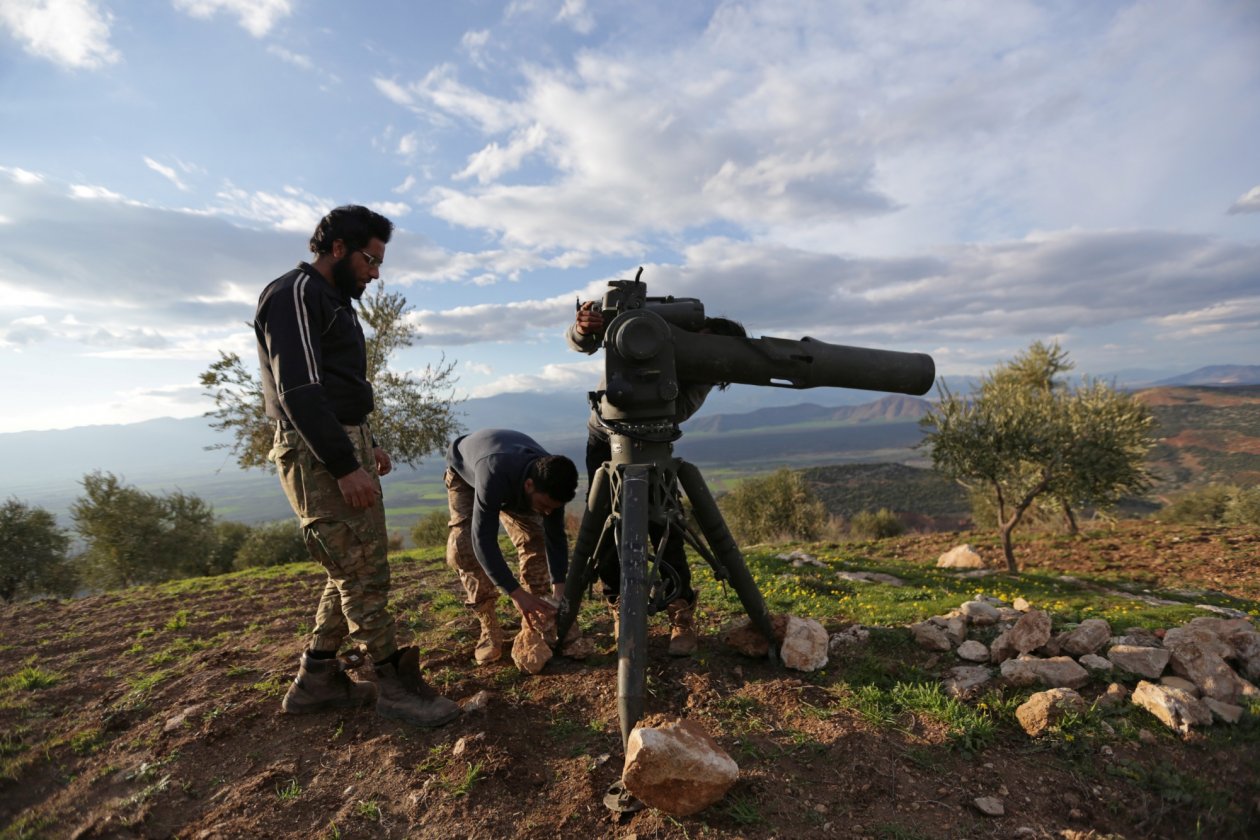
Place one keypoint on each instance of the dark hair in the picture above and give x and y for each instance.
(352, 224)
(724, 326)
(555, 475)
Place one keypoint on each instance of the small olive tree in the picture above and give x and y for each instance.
(414, 414)
(1025, 435)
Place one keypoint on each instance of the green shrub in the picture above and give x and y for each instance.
(780, 505)
(1243, 508)
(272, 544)
(430, 529)
(1204, 504)
(876, 526)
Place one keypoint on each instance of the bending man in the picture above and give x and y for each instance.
(498, 475)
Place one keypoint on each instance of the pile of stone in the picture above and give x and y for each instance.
(1189, 676)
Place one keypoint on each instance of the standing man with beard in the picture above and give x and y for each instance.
(314, 377)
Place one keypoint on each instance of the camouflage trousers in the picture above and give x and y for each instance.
(352, 545)
(524, 530)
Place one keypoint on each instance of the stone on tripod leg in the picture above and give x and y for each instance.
(677, 768)
(804, 645)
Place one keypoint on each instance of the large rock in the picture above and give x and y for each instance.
(1198, 654)
(955, 627)
(1002, 649)
(1143, 661)
(1174, 707)
(973, 651)
(742, 635)
(960, 557)
(979, 613)
(930, 636)
(1030, 632)
(965, 681)
(677, 768)
(530, 650)
(804, 646)
(1087, 637)
(1046, 708)
(1056, 672)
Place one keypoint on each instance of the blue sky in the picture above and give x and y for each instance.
(953, 178)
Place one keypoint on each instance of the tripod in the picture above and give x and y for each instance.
(637, 487)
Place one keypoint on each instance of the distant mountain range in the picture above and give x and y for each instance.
(836, 426)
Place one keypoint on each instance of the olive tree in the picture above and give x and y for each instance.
(33, 549)
(1026, 436)
(780, 505)
(414, 413)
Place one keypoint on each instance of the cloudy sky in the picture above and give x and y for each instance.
(955, 178)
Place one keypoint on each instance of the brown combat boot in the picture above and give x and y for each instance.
(405, 696)
(682, 629)
(324, 684)
(490, 644)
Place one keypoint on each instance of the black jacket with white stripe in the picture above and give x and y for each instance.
(314, 363)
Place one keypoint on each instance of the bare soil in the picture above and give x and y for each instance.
(203, 751)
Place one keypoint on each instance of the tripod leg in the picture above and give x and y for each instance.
(632, 643)
(719, 536)
(585, 558)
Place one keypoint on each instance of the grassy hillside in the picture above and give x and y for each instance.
(154, 712)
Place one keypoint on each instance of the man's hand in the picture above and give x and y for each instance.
(589, 318)
(533, 609)
(383, 465)
(358, 489)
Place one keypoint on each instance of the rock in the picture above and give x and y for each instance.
(742, 635)
(1031, 631)
(1143, 661)
(1094, 662)
(979, 613)
(1001, 649)
(1115, 695)
(180, 719)
(1046, 708)
(871, 577)
(961, 557)
(1022, 604)
(1176, 709)
(973, 651)
(800, 558)
(963, 681)
(990, 806)
(466, 742)
(1087, 637)
(1138, 637)
(849, 637)
(804, 646)
(530, 650)
(1198, 654)
(1010, 615)
(1224, 712)
(677, 768)
(1181, 683)
(477, 703)
(1056, 672)
(930, 636)
(955, 627)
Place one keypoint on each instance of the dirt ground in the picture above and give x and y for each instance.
(164, 721)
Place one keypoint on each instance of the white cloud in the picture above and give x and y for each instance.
(22, 176)
(552, 377)
(166, 172)
(575, 14)
(256, 17)
(72, 33)
(296, 210)
(1249, 203)
(296, 59)
(95, 193)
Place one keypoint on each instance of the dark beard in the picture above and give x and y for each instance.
(343, 278)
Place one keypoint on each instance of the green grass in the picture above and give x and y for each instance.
(30, 677)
